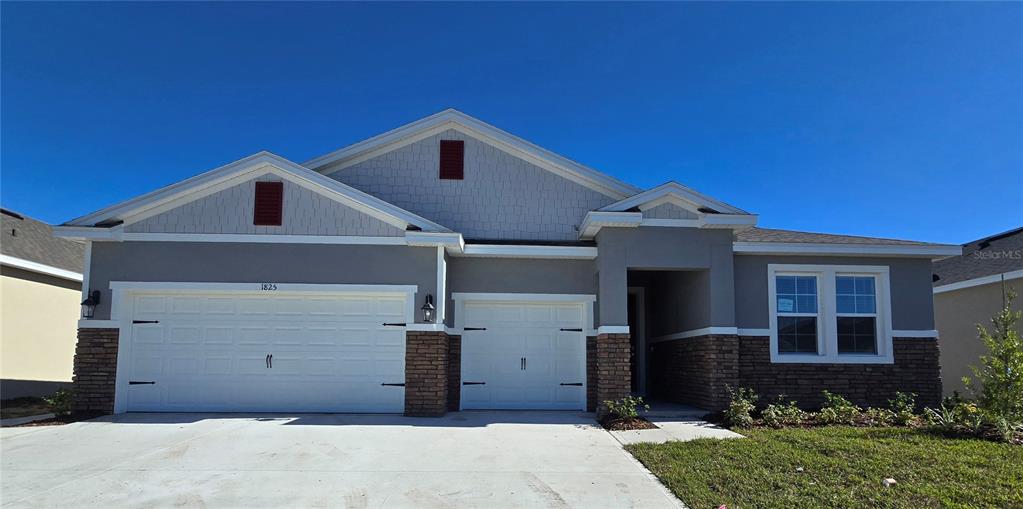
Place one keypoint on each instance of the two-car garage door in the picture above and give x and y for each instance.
(267, 352)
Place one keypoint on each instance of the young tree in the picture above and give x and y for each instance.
(1000, 374)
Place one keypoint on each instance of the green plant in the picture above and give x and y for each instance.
(903, 407)
(1000, 375)
(626, 408)
(880, 416)
(837, 410)
(955, 415)
(60, 402)
(782, 413)
(742, 402)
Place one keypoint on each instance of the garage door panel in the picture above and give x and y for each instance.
(208, 353)
(517, 330)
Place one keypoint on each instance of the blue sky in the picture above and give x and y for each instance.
(897, 120)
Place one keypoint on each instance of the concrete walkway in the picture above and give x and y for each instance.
(675, 423)
(466, 459)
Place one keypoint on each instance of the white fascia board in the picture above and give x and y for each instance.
(527, 251)
(969, 283)
(821, 249)
(525, 297)
(251, 167)
(453, 119)
(264, 238)
(679, 191)
(595, 220)
(87, 232)
(705, 331)
(39, 268)
(451, 241)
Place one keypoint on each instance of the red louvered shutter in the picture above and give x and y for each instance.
(269, 204)
(452, 159)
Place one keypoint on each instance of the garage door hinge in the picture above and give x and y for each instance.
(394, 324)
(571, 330)
(136, 382)
(576, 384)
(474, 328)
(474, 383)
(145, 321)
(394, 385)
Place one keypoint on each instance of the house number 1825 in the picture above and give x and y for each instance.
(268, 287)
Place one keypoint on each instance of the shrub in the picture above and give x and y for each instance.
(626, 408)
(903, 407)
(955, 416)
(741, 404)
(1000, 375)
(60, 402)
(837, 410)
(782, 413)
(880, 416)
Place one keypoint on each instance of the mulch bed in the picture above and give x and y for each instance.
(627, 424)
(53, 421)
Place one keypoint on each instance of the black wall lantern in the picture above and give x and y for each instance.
(89, 304)
(428, 309)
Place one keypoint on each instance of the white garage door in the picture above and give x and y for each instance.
(267, 353)
(527, 356)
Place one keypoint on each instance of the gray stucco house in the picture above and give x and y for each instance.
(266, 285)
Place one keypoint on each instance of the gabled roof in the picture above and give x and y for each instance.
(453, 119)
(29, 244)
(997, 254)
(250, 167)
(674, 192)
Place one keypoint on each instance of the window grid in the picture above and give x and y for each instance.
(856, 314)
(797, 313)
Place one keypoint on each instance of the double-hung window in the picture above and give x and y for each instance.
(829, 314)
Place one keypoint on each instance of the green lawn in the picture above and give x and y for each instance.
(843, 467)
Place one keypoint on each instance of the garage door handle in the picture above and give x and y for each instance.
(145, 321)
(136, 382)
(394, 385)
(474, 383)
(576, 384)
(571, 330)
(266, 360)
(271, 361)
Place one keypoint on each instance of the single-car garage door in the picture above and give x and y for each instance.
(267, 352)
(524, 355)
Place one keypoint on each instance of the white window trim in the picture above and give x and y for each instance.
(827, 325)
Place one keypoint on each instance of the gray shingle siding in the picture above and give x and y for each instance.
(230, 211)
(501, 196)
(668, 211)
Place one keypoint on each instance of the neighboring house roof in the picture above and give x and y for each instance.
(771, 241)
(989, 256)
(454, 119)
(29, 244)
(250, 167)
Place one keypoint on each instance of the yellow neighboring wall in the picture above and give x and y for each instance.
(38, 326)
(956, 314)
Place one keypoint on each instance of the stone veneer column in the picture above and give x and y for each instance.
(591, 374)
(454, 373)
(614, 377)
(95, 372)
(426, 374)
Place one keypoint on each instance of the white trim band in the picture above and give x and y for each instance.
(969, 283)
(613, 329)
(39, 268)
(705, 331)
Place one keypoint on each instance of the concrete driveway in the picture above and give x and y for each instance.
(466, 459)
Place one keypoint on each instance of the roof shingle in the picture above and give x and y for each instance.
(28, 239)
(992, 255)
